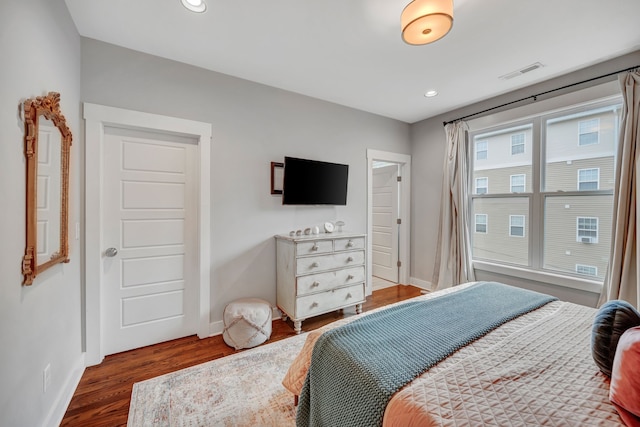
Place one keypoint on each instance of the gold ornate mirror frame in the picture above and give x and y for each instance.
(39, 109)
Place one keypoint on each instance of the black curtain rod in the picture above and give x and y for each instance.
(535, 97)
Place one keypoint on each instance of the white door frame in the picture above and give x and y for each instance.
(96, 118)
(404, 247)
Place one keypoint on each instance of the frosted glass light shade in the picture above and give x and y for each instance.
(425, 21)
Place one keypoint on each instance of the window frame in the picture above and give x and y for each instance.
(524, 183)
(486, 187)
(537, 195)
(578, 229)
(523, 226)
(524, 140)
(486, 223)
(485, 150)
(580, 132)
(597, 181)
(595, 268)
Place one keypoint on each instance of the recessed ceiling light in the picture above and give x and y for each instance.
(431, 93)
(197, 6)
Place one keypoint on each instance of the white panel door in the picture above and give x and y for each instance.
(149, 219)
(384, 244)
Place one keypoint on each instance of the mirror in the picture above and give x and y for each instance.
(47, 146)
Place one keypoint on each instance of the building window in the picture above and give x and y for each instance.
(589, 132)
(588, 179)
(552, 198)
(587, 270)
(518, 183)
(587, 230)
(517, 143)
(481, 150)
(516, 225)
(482, 185)
(481, 223)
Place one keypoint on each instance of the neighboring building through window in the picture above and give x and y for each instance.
(481, 150)
(516, 225)
(589, 132)
(587, 270)
(588, 179)
(482, 185)
(481, 223)
(518, 183)
(587, 230)
(549, 211)
(517, 143)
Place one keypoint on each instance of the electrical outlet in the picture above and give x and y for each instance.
(46, 378)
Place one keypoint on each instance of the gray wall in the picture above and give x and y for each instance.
(427, 149)
(39, 324)
(253, 125)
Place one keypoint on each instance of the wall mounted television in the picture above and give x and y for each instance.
(311, 182)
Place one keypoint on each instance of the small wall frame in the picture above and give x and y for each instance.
(277, 176)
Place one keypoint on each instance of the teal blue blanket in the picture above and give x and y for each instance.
(356, 368)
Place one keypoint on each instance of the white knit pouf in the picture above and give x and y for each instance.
(247, 323)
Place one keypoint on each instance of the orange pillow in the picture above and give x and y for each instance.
(624, 391)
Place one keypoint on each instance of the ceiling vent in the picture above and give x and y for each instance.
(521, 71)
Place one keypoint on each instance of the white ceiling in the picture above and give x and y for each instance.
(350, 51)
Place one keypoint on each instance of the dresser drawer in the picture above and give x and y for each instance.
(311, 305)
(332, 279)
(315, 247)
(328, 262)
(349, 244)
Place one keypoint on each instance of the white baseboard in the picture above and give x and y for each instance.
(216, 328)
(56, 414)
(422, 284)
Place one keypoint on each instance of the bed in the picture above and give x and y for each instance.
(535, 369)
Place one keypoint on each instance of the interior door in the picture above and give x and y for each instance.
(385, 204)
(149, 231)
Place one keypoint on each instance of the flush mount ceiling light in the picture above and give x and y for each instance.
(425, 21)
(197, 6)
(431, 93)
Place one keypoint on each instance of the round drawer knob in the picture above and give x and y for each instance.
(314, 305)
(314, 265)
(315, 284)
(348, 295)
(350, 244)
(314, 247)
(349, 259)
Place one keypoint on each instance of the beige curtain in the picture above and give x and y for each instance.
(453, 260)
(621, 281)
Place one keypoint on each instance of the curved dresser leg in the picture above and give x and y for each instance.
(358, 308)
(297, 326)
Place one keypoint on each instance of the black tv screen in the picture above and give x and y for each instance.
(310, 182)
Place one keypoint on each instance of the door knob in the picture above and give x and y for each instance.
(111, 252)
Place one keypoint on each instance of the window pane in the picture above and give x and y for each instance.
(566, 151)
(577, 231)
(498, 244)
(481, 223)
(499, 165)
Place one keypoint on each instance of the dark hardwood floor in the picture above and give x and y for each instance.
(103, 395)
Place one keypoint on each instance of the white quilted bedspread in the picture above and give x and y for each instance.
(534, 371)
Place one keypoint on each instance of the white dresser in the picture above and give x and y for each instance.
(319, 273)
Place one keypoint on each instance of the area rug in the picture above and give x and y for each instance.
(243, 389)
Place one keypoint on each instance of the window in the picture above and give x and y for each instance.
(552, 211)
(516, 225)
(481, 150)
(587, 230)
(589, 132)
(518, 183)
(587, 270)
(517, 143)
(482, 185)
(481, 223)
(588, 179)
